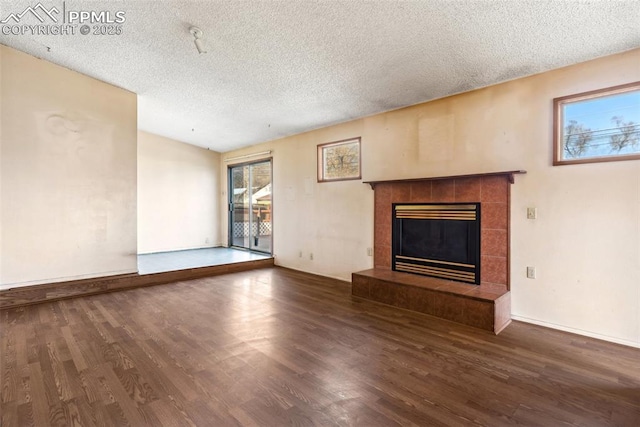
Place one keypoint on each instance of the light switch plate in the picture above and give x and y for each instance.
(531, 272)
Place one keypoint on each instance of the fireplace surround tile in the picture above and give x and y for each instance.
(494, 242)
(467, 190)
(402, 298)
(477, 313)
(439, 309)
(494, 269)
(382, 292)
(420, 300)
(487, 289)
(382, 232)
(494, 189)
(443, 191)
(421, 192)
(360, 289)
(382, 256)
(401, 193)
(383, 193)
(495, 216)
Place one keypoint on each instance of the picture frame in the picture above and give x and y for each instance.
(340, 160)
(597, 126)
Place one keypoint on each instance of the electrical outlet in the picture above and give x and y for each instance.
(531, 272)
(532, 213)
(311, 256)
(369, 251)
(300, 254)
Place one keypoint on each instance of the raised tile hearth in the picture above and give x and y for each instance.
(486, 305)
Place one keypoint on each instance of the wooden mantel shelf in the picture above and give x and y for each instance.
(509, 174)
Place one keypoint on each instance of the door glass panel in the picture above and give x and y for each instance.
(239, 226)
(250, 206)
(261, 206)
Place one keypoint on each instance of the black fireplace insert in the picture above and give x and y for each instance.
(437, 239)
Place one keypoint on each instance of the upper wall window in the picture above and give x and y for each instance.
(339, 160)
(597, 126)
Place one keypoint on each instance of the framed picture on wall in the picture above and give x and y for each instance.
(339, 160)
(598, 126)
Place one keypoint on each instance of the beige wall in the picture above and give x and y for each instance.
(1, 184)
(332, 221)
(585, 243)
(68, 174)
(178, 195)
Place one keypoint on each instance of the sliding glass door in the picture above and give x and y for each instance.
(250, 206)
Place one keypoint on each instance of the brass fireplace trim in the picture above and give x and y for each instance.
(434, 261)
(433, 207)
(443, 273)
(451, 212)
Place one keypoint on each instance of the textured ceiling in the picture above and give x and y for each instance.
(277, 68)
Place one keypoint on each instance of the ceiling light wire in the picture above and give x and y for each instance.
(197, 39)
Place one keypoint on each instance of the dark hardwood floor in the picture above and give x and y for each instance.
(274, 347)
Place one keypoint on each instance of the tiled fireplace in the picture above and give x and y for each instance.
(486, 306)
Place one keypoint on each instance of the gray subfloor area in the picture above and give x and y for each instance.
(193, 258)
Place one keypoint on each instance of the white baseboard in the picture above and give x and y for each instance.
(346, 282)
(577, 331)
(7, 286)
